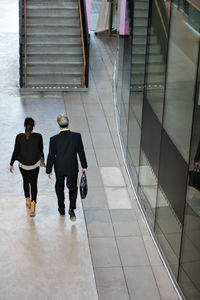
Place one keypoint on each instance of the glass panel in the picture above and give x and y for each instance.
(189, 275)
(134, 133)
(156, 47)
(157, 55)
(178, 114)
(183, 52)
(168, 230)
(147, 187)
(194, 17)
(124, 68)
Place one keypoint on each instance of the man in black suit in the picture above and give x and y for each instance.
(63, 150)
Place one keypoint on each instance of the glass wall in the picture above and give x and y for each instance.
(159, 113)
(183, 47)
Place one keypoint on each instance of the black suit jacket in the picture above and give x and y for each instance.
(63, 150)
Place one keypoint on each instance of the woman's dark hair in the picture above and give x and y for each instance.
(29, 123)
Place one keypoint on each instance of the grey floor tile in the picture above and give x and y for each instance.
(94, 177)
(77, 123)
(132, 251)
(91, 157)
(104, 252)
(107, 157)
(164, 284)
(111, 284)
(87, 141)
(112, 177)
(91, 96)
(93, 109)
(117, 198)
(99, 223)
(98, 124)
(96, 198)
(141, 222)
(116, 140)
(108, 109)
(125, 223)
(151, 251)
(141, 283)
(74, 109)
(102, 139)
(74, 98)
(112, 123)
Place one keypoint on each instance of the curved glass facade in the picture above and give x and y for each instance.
(158, 101)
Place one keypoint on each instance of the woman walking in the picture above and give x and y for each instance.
(29, 153)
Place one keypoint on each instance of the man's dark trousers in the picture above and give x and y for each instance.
(71, 181)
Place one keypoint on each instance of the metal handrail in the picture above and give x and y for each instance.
(83, 45)
(161, 18)
(25, 47)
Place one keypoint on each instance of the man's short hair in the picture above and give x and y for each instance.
(63, 121)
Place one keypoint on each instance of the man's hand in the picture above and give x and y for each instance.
(11, 169)
(49, 175)
(84, 170)
(197, 164)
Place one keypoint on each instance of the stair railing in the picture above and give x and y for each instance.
(25, 47)
(161, 19)
(83, 44)
(160, 24)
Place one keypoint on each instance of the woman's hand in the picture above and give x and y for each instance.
(11, 169)
(42, 164)
(84, 170)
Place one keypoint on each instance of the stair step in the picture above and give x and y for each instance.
(53, 21)
(140, 21)
(153, 58)
(142, 39)
(53, 39)
(141, 13)
(51, 3)
(53, 80)
(138, 58)
(63, 68)
(157, 78)
(153, 49)
(137, 68)
(49, 48)
(139, 30)
(56, 13)
(142, 5)
(57, 29)
(54, 58)
(152, 68)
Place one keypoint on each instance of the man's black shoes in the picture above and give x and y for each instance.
(72, 213)
(61, 211)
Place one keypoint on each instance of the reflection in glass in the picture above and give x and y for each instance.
(134, 133)
(189, 275)
(148, 187)
(157, 56)
(168, 230)
(183, 53)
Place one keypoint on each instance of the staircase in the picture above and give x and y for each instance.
(54, 48)
(155, 69)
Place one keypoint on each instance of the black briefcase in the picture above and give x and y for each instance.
(194, 178)
(83, 186)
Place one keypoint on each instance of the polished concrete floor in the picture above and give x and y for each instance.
(107, 253)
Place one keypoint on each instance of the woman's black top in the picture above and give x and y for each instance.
(28, 151)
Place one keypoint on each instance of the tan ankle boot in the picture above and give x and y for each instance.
(28, 202)
(32, 213)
